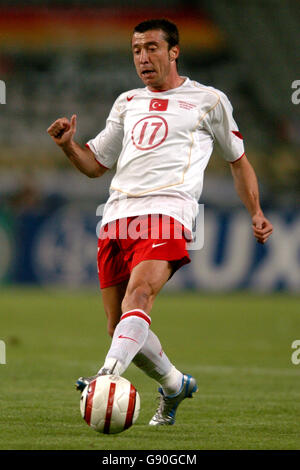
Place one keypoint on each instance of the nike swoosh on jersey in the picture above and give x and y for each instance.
(127, 337)
(129, 98)
(154, 245)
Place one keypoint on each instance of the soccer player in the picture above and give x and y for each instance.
(159, 138)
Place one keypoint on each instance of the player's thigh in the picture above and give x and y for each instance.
(112, 298)
(146, 280)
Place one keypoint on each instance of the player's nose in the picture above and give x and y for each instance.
(144, 58)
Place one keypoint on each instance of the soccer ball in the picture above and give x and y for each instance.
(110, 404)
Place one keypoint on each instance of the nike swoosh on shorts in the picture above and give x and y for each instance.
(154, 245)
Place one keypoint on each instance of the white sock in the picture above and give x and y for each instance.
(155, 363)
(113, 365)
(172, 382)
(129, 337)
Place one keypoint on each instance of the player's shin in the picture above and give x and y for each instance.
(129, 337)
(152, 360)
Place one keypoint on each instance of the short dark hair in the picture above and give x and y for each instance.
(170, 29)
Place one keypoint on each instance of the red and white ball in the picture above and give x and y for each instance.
(110, 404)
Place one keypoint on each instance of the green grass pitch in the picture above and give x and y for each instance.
(238, 346)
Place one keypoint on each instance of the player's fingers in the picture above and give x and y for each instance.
(267, 229)
(58, 132)
(51, 129)
(58, 126)
(263, 231)
(262, 241)
(58, 122)
(263, 238)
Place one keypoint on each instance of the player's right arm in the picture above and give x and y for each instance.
(62, 132)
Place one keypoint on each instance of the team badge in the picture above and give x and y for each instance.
(157, 104)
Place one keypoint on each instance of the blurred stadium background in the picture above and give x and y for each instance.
(73, 56)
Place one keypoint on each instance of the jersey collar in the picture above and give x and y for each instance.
(171, 90)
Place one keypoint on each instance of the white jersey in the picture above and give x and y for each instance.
(160, 143)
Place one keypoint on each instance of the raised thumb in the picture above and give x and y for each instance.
(73, 122)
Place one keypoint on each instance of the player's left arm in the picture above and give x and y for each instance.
(247, 188)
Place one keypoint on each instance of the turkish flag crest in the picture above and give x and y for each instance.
(158, 105)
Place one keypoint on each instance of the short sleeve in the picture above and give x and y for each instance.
(225, 130)
(107, 145)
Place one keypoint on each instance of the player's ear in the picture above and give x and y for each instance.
(174, 53)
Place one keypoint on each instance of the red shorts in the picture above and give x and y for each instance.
(124, 243)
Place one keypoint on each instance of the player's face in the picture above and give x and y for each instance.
(155, 63)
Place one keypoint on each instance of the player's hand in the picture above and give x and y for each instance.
(262, 228)
(62, 130)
